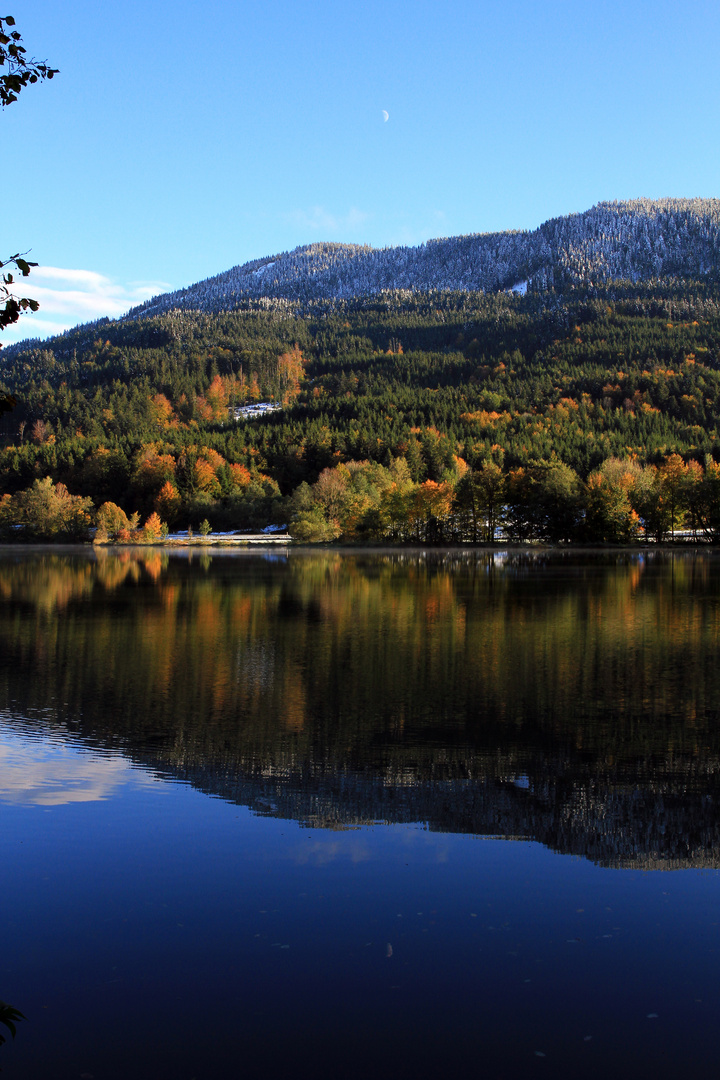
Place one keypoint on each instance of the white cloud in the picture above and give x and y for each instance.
(318, 220)
(45, 771)
(68, 297)
(431, 227)
(317, 223)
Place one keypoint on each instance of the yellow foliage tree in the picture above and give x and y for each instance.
(290, 374)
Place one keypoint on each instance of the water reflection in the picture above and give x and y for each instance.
(568, 698)
(37, 769)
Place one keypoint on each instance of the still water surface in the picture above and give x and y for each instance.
(397, 815)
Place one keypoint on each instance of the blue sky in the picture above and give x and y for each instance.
(181, 139)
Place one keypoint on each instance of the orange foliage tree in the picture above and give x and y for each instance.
(205, 477)
(239, 476)
(153, 527)
(290, 373)
(168, 501)
(217, 398)
(152, 469)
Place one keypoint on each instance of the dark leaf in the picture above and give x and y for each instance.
(9, 1016)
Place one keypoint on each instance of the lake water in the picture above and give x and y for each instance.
(360, 815)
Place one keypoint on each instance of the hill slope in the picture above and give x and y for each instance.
(637, 241)
(421, 413)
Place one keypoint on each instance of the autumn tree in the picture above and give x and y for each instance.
(393, 512)
(329, 492)
(152, 470)
(290, 372)
(217, 397)
(609, 514)
(112, 521)
(162, 411)
(692, 497)
(168, 502)
(642, 484)
(153, 528)
(430, 505)
(46, 511)
(710, 500)
(673, 477)
(479, 495)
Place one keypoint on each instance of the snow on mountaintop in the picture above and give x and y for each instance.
(634, 240)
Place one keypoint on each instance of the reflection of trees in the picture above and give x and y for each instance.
(668, 819)
(49, 582)
(340, 688)
(45, 583)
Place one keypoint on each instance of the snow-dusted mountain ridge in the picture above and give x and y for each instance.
(637, 240)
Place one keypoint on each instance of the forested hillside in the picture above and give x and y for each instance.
(434, 417)
(636, 240)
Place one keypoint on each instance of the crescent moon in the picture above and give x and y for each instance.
(386, 115)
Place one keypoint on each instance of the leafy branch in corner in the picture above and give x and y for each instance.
(8, 1018)
(12, 306)
(21, 71)
(17, 70)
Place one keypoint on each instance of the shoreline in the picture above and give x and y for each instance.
(287, 542)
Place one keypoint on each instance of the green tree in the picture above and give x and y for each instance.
(645, 489)
(312, 527)
(559, 502)
(46, 511)
(111, 520)
(479, 498)
(609, 516)
(710, 500)
(520, 497)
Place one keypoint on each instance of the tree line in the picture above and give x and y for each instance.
(427, 392)
(622, 502)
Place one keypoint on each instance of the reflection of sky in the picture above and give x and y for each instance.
(392, 949)
(42, 770)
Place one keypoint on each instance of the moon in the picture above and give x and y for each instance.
(386, 115)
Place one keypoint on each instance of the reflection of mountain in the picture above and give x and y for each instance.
(569, 700)
(654, 822)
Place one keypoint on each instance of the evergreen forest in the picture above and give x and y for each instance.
(436, 416)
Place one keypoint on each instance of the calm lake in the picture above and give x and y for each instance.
(360, 815)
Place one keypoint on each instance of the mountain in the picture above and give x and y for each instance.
(441, 378)
(637, 241)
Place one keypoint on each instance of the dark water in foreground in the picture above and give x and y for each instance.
(360, 815)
